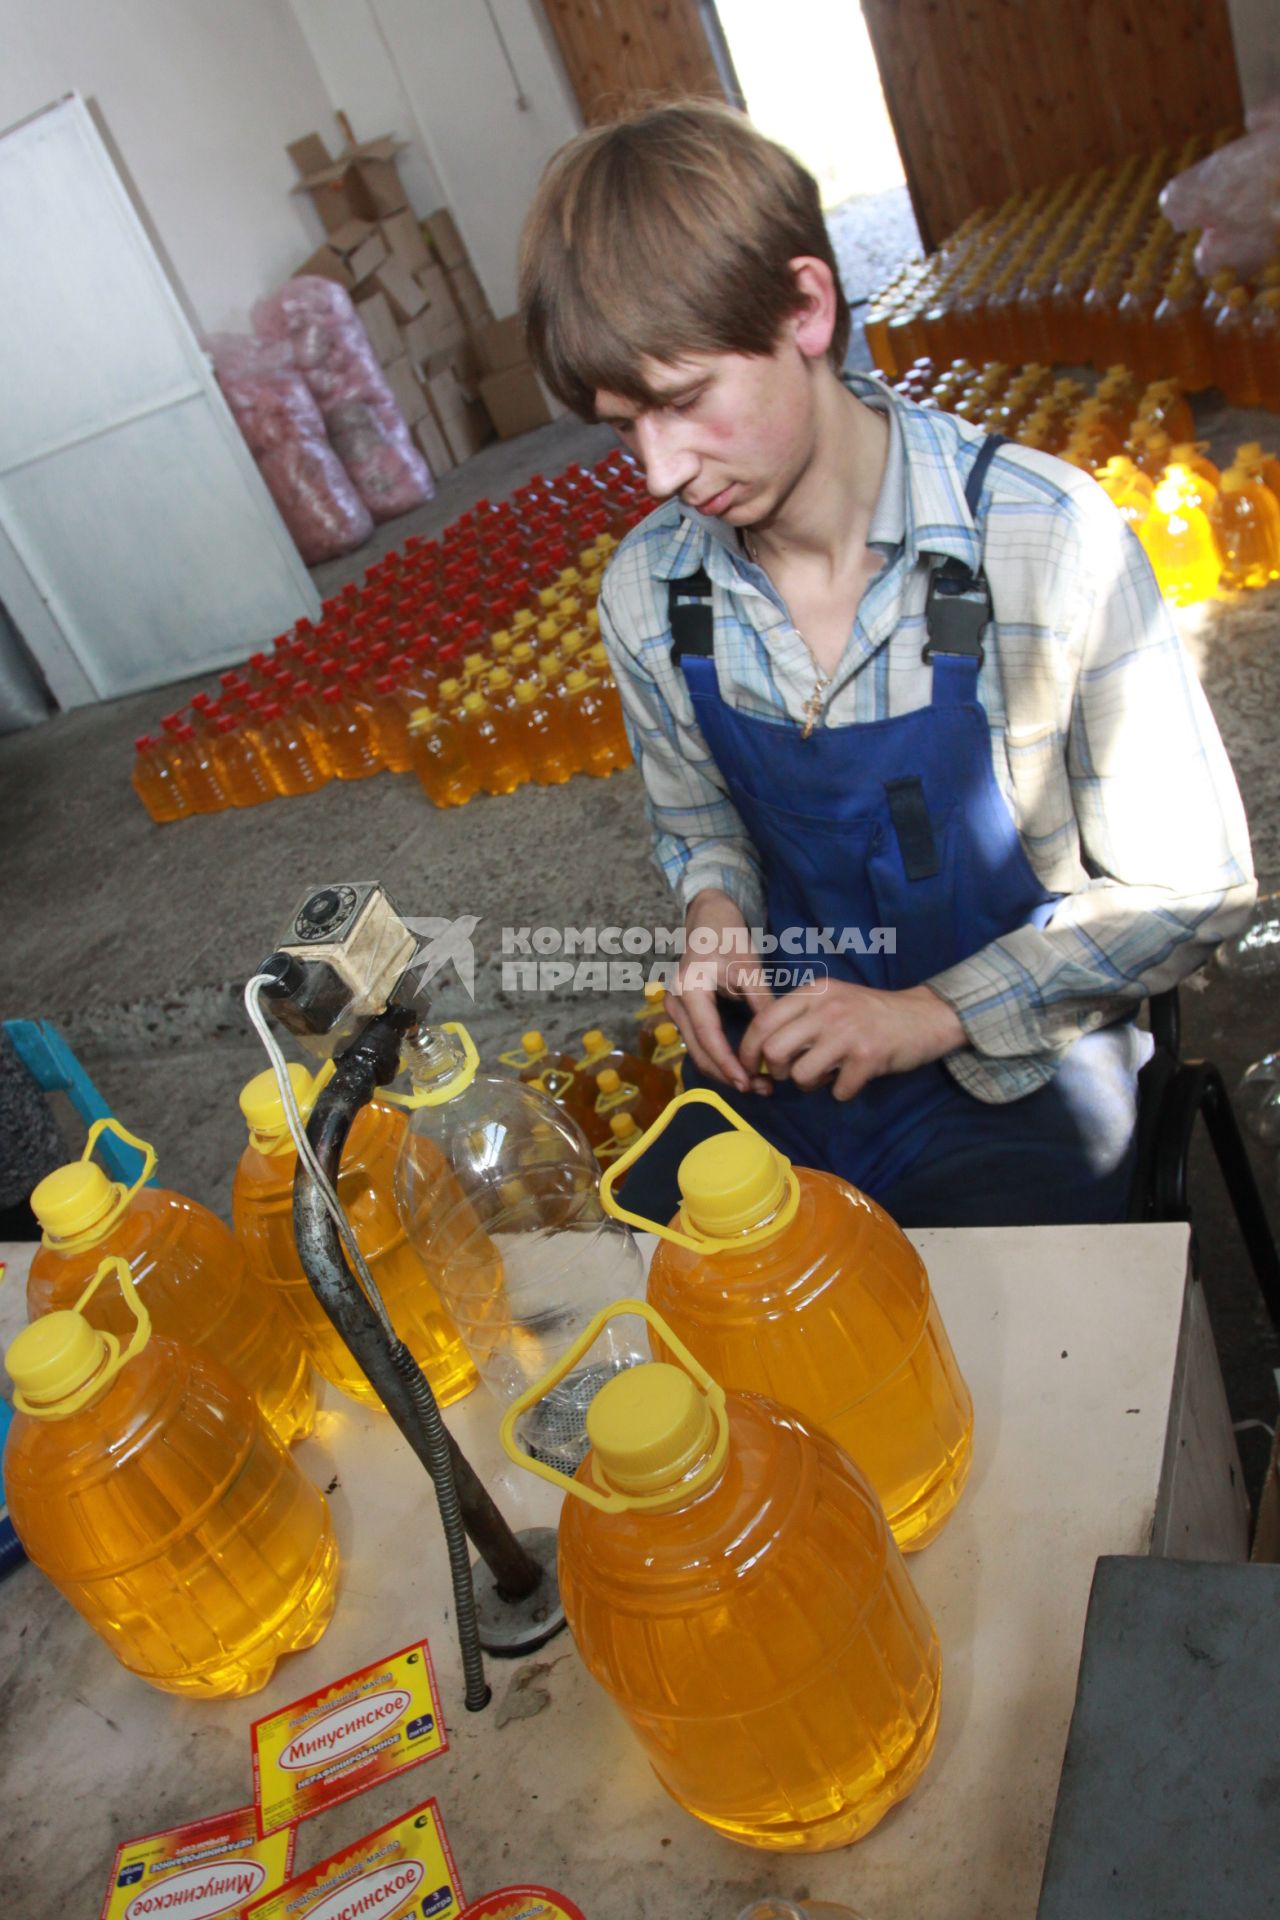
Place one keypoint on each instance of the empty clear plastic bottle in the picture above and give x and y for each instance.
(513, 1230)
(1257, 1099)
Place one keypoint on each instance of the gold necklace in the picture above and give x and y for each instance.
(821, 680)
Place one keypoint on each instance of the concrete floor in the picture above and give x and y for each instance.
(137, 939)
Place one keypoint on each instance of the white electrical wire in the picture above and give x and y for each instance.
(305, 1151)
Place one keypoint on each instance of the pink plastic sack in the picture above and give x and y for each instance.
(332, 352)
(278, 416)
(1233, 196)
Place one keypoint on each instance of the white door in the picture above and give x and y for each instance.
(138, 542)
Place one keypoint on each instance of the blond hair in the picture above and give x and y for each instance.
(665, 234)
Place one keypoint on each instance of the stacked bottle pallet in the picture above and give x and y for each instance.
(1203, 529)
(1087, 273)
(472, 659)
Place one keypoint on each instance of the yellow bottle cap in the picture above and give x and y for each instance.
(547, 630)
(608, 1080)
(474, 702)
(595, 1040)
(522, 653)
(263, 1108)
(500, 678)
(654, 990)
(731, 1183)
(501, 641)
(53, 1358)
(473, 663)
(422, 719)
(523, 620)
(533, 1042)
(648, 1427)
(525, 692)
(61, 1362)
(1234, 480)
(450, 689)
(576, 679)
(666, 1033)
(623, 1125)
(77, 1199)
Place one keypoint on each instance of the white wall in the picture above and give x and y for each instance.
(199, 98)
(440, 65)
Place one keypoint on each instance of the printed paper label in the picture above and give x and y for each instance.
(198, 1872)
(403, 1869)
(346, 1737)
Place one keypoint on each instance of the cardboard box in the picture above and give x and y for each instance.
(351, 236)
(470, 297)
(327, 265)
(403, 382)
(309, 155)
(446, 241)
(432, 445)
(337, 200)
(379, 176)
(461, 360)
(405, 296)
(515, 401)
(378, 321)
(368, 259)
(438, 329)
(463, 421)
(501, 344)
(403, 236)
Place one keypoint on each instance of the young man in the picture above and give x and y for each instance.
(907, 705)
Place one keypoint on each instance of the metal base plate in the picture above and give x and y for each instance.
(510, 1628)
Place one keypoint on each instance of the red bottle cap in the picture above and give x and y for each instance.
(332, 694)
(272, 710)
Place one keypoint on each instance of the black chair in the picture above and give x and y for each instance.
(1173, 1094)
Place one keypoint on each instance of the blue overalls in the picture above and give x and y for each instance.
(893, 837)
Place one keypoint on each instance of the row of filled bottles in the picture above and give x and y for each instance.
(332, 699)
(1088, 272)
(613, 1092)
(1203, 529)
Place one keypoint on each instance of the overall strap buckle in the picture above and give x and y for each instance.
(689, 614)
(958, 606)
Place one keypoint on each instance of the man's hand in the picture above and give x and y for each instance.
(715, 960)
(838, 1032)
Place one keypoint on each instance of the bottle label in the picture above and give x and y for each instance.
(522, 1903)
(402, 1869)
(345, 1737)
(203, 1870)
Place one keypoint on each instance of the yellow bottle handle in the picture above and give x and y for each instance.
(109, 1124)
(553, 1081)
(712, 1393)
(456, 1084)
(694, 1242)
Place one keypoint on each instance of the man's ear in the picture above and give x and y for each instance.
(813, 324)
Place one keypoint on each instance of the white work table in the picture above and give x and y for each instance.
(1100, 1428)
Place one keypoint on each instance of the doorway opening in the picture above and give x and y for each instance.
(809, 80)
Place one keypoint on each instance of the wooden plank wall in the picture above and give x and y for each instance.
(991, 97)
(619, 53)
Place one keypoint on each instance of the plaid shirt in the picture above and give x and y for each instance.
(1102, 742)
